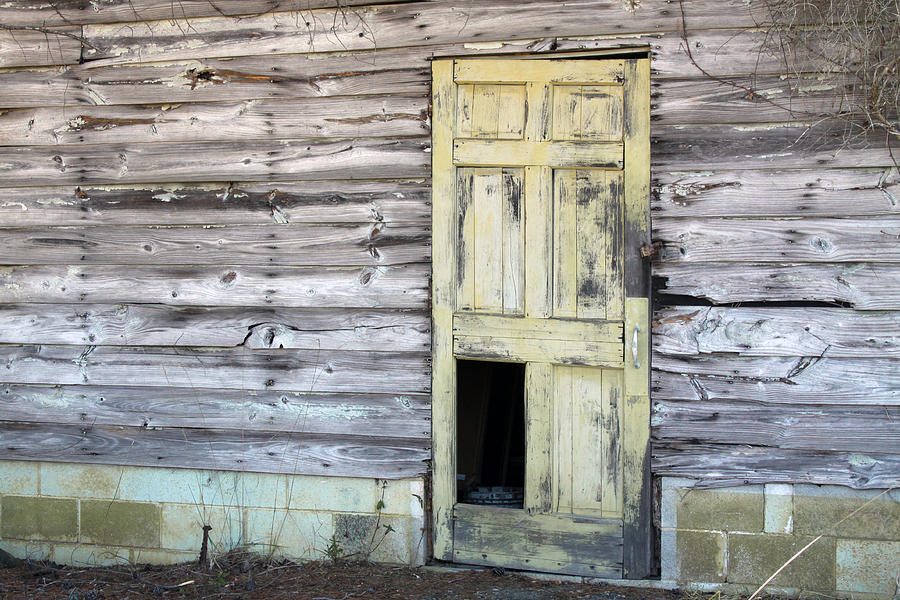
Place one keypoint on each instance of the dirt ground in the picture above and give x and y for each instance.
(247, 577)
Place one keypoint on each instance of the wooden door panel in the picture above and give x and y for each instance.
(587, 112)
(490, 240)
(492, 536)
(534, 197)
(588, 278)
(587, 416)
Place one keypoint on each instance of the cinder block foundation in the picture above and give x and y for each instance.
(742, 535)
(101, 515)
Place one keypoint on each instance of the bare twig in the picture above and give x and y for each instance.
(48, 31)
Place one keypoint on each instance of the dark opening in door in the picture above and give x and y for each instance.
(490, 433)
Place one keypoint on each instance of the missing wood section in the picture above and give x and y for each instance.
(490, 433)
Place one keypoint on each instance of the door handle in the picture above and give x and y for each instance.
(634, 347)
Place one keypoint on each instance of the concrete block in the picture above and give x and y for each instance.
(204, 487)
(681, 483)
(668, 564)
(381, 538)
(736, 509)
(669, 498)
(753, 558)
(142, 556)
(333, 494)
(262, 490)
(31, 518)
(779, 508)
(820, 509)
(27, 549)
(866, 566)
(118, 523)
(180, 486)
(699, 556)
(182, 527)
(288, 533)
(89, 555)
(80, 481)
(18, 478)
(400, 540)
(404, 497)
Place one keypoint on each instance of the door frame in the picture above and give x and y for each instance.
(638, 534)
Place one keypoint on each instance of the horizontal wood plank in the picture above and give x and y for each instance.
(789, 380)
(746, 99)
(774, 193)
(376, 415)
(67, 12)
(525, 327)
(244, 369)
(375, 116)
(344, 201)
(566, 352)
(367, 287)
(610, 71)
(504, 153)
(719, 465)
(875, 239)
(806, 427)
(35, 48)
(362, 158)
(482, 535)
(307, 454)
(861, 285)
(767, 146)
(393, 26)
(831, 332)
(407, 70)
(275, 244)
(253, 328)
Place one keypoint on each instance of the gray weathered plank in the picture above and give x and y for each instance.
(294, 244)
(255, 328)
(767, 193)
(20, 48)
(790, 380)
(308, 454)
(386, 71)
(774, 99)
(867, 286)
(831, 332)
(241, 368)
(345, 201)
(875, 239)
(807, 427)
(229, 80)
(397, 25)
(363, 158)
(376, 415)
(767, 146)
(66, 12)
(375, 116)
(367, 287)
(719, 465)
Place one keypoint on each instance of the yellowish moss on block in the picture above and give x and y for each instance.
(120, 523)
(721, 510)
(700, 556)
(753, 558)
(29, 518)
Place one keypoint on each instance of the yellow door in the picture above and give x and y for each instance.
(541, 179)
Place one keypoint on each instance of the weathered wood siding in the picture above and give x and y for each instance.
(216, 246)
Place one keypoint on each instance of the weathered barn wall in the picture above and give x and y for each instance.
(216, 245)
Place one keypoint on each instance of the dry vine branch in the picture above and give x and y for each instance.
(848, 43)
(850, 46)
